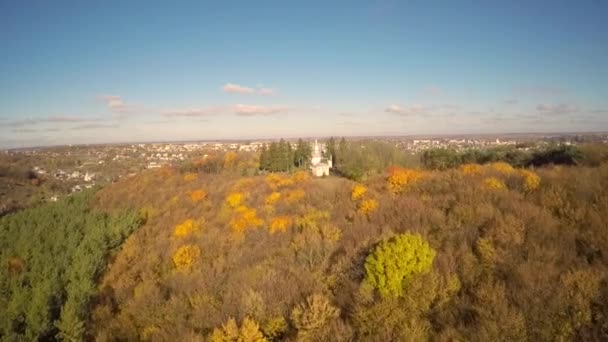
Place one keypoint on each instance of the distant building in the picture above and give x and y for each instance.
(318, 164)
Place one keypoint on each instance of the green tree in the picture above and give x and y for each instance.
(393, 263)
(264, 158)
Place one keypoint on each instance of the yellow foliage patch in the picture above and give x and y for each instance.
(280, 224)
(185, 257)
(272, 198)
(276, 181)
(198, 195)
(242, 183)
(185, 228)
(301, 177)
(245, 218)
(531, 179)
(399, 178)
(189, 177)
(493, 183)
(502, 167)
(471, 169)
(358, 192)
(230, 160)
(235, 199)
(294, 195)
(368, 206)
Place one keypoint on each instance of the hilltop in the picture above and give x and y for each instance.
(464, 247)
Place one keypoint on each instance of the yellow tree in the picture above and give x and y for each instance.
(358, 192)
(185, 257)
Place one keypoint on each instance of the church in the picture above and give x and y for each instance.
(318, 164)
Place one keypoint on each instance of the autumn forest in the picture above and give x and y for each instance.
(498, 245)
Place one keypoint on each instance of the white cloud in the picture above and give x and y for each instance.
(192, 112)
(237, 89)
(407, 110)
(241, 89)
(266, 91)
(253, 110)
(558, 109)
(114, 102)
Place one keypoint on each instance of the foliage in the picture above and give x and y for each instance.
(280, 156)
(275, 327)
(358, 192)
(514, 264)
(439, 159)
(399, 178)
(313, 315)
(531, 180)
(294, 195)
(272, 198)
(54, 254)
(198, 195)
(185, 228)
(235, 199)
(280, 224)
(493, 183)
(368, 206)
(230, 332)
(185, 257)
(189, 177)
(393, 263)
(245, 218)
(359, 160)
(471, 169)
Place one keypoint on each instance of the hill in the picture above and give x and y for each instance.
(516, 254)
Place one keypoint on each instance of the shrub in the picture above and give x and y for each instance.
(313, 315)
(189, 177)
(294, 195)
(393, 263)
(185, 228)
(185, 257)
(530, 179)
(358, 192)
(198, 195)
(230, 332)
(368, 206)
(502, 167)
(272, 198)
(280, 224)
(471, 169)
(235, 199)
(399, 178)
(493, 183)
(245, 218)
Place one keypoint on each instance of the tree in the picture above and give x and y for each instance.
(264, 158)
(302, 154)
(313, 315)
(393, 263)
(331, 150)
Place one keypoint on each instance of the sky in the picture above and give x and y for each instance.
(76, 72)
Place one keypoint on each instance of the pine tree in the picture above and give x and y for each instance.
(264, 158)
(331, 150)
(273, 157)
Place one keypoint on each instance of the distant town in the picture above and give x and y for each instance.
(74, 168)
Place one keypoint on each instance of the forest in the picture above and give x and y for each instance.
(52, 256)
(454, 246)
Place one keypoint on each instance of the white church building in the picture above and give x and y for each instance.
(318, 164)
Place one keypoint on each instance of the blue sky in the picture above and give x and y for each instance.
(78, 72)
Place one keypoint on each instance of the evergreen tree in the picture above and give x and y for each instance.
(330, 152)
(264, 158)
(342, 150)
(273, 157)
